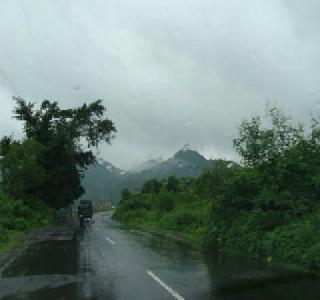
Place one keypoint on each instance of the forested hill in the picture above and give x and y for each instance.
(104, 182)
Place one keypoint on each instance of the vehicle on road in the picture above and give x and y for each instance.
(85, 211)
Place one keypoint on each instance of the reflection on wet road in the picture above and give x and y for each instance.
(107, 261)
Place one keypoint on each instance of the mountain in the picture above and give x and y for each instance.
(185, 163)
(104, 182)
(147, 165)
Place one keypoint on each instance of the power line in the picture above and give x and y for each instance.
(26, 16)
(12, 85)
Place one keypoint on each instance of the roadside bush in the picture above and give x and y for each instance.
(245, 233)
(184, 219)
(164, 201)
(311, 258)
(297, 242)
(268, 205)
(3, 234)
(18, 215)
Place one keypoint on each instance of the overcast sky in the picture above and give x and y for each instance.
(170, 72)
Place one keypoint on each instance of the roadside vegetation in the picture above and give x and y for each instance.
(103, 207)
(42, 172)
(16, 217)
(267, 206)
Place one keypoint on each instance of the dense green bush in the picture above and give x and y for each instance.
(3, 234)
(18, 215)
(164, 201)
(267, 206)
(297, 242)
(179, 220)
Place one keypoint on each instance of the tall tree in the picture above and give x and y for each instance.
(65, 137)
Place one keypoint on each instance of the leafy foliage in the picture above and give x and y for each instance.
(16, 215)
(23, 175)
(48, 164)
(268, 206)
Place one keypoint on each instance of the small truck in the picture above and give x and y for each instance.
(85, 211)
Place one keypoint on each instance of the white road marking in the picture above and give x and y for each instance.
(171, 291)
(110, 240)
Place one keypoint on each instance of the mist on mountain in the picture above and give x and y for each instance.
(104, 182)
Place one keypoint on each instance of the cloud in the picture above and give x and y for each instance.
(8, 126)
(170, 72)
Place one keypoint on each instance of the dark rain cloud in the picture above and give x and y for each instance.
(170, 72)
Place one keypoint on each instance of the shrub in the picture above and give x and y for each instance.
(165, 200)
(18, 215)
(3, 234)
(297, 242)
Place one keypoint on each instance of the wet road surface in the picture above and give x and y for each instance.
(107, 261)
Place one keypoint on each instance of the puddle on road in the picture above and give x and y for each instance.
(67, 292)
(53, 270)
(47, 257)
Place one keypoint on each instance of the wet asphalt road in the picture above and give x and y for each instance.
(107, 261)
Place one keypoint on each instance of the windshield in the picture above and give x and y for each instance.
(159, 149)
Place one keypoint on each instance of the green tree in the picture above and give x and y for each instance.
(173, 184)
(125, 194)
(258, 145)
(152, 186)
(61, 155)
(22, 173)
(285, 161)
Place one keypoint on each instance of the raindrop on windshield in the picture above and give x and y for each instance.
(189, 123)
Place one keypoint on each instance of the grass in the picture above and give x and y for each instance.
(18, 218)
(12, 242)
(151, 225)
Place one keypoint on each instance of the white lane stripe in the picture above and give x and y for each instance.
(171, 291)
(110, 240)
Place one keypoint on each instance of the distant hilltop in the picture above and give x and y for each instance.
(104, 182)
